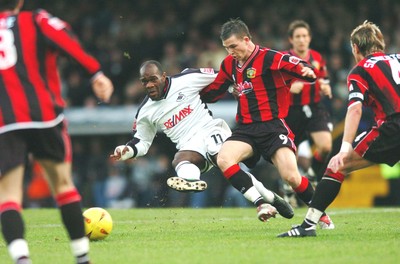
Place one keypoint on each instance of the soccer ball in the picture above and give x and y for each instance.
(98, 223)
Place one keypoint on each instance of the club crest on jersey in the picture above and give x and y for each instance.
(251, 73)
(181, 97)
(176, 118)
(294, 60)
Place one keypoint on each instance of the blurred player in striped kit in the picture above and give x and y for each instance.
(308, 118)
(32, 120)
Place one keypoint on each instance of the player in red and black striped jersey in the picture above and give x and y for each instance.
(375, 83)
(261, 77)
(308, 118)
(31, 119)
(261, 82)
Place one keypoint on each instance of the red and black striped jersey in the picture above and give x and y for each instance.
(311, 92)
(30, 89)
(262, 81)
(375, 81)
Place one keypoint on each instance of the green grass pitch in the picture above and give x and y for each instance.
(220, 235)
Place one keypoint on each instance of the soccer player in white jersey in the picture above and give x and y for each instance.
(173, 106)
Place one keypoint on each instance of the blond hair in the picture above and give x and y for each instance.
(368, 38)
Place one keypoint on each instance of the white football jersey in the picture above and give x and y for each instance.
(180, 114)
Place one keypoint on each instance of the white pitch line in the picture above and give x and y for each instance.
(365, 210)
(330, 211)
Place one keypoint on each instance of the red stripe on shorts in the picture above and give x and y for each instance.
(67, 142)
(366, 141)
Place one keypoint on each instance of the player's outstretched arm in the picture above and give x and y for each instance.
(122, 152)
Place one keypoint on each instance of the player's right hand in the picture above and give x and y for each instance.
(308, 72)
(122, 152)
(337, 162)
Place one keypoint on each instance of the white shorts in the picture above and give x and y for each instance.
(209, 139)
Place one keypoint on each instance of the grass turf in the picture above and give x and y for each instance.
(220, 235)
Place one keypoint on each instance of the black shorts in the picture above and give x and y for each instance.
(265, 138)
(380, 144)
(306, 119)
(45, 143)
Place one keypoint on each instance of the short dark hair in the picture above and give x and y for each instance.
(298, 24)
(152, 62)
(234, 27)
(8, 4)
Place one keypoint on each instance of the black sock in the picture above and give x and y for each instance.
(318, 166)
(12, 225)
(241, 181)
(23, 260)
(307, 223)
(325, 193)
(73, 220)
(83, 259)
(307, 194)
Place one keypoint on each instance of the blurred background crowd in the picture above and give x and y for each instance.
(181, 34)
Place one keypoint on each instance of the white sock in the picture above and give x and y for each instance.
(18, 248)
(80, 246)
(313, 215)
(267, 194)
(252, 194)
(187, 170)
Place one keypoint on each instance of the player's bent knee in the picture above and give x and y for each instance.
(222, 163)
(326, 150)
(294, 181)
